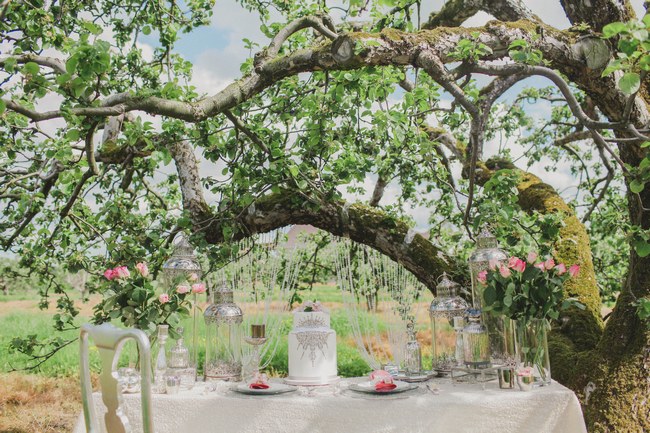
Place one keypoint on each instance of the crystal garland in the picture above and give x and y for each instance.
(376, 289)
(262, 274)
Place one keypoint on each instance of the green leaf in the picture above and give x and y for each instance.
(636, 186)
(3, 106)
(613, 29)
(31, 68)
(71, 64)
(519, 43)
(10, 64)
(489, 295)
(146, 30)
(72, 134)
(642, 248)
(629, 83)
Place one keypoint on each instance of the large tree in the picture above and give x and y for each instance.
(89, 127)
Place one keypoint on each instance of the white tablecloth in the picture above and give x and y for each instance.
(456, 408)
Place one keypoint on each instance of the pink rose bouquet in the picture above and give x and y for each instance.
(525, 290)
(131, 296)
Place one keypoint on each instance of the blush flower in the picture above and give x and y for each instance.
(512, 261)
(142, 269)
(540, 266)
(573, 270)
(164, 298)
(561, 269)
(193, 277)
(505, 272)
(110, 274)
(549, 264)
(122, 272)
(493, 264)
(519, 266)
(532, 256)
(182, 289)
(482, 277)
(198, 288)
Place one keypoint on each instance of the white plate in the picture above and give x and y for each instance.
(426, 375)
(273, 389)
(369, 388)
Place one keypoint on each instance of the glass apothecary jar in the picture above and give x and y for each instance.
(224, 333)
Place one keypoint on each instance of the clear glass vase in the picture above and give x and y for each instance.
(532, 349)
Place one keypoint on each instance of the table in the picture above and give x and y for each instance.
(455, 408)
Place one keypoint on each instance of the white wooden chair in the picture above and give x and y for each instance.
(109, 340)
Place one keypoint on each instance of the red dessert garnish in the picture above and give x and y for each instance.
(258, 385)
(383, 386)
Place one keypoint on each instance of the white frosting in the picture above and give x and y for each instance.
(312, 348)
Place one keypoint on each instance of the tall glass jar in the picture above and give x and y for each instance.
(500, 329)
(476, 344)
(224, 321)
(447, 314)
(160, 366)
(179, 363)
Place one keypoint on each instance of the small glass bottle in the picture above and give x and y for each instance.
(179, 363)
(160, 366)
(413, 354)
(476, 343)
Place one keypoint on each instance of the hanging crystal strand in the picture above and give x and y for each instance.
(413, 356)
(160, 367)
(459, 324)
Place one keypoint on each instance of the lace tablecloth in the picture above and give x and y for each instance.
(453, 408)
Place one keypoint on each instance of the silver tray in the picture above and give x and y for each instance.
(274, 389)
(369, 388)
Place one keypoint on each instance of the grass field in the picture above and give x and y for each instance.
(48, 399)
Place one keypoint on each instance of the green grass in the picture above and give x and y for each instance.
(66, 361)
(21, 324)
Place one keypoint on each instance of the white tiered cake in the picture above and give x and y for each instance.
(312, 349)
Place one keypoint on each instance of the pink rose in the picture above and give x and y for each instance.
(532, 256)
(164, 298)
(193, 277)
(540, 266)
(549, 264)
(512, 261)
(181, 289)
(198, 288)
(142, 269)
(520, 266)
(493, 264)
(573, 270)
(122, 272)
(505, 272)
(482, 277)
(110, 274)
(561, 268)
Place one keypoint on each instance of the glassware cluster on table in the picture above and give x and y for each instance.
(469, 344)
